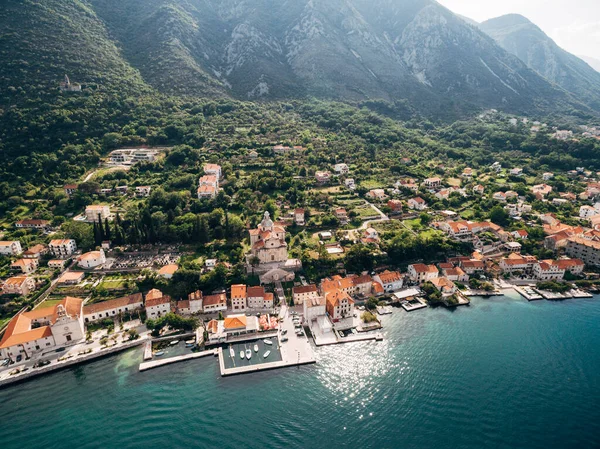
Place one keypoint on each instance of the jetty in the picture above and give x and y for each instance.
(415, 304)
(144, 366)
(528, 293)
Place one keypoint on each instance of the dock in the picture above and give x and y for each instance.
(384, 310)
(528, 293)
(410, 307)
(144, 366)
(263, 366)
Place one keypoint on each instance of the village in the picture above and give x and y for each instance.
(362, 250)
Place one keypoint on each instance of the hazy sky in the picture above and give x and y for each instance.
(573, 24)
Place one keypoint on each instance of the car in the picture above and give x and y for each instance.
(284, 339)
(283, 332)
(60, 349)
(5, 362)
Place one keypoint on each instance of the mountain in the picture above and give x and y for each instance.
(593, 62)
(411, 50)
(529, 43)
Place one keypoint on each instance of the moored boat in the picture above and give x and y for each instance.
(189, 343)
(231, 352)
(267, 354)
(267, 341)
(241, 354)
(255, 348)
(174, 342)
(159, 353)
(248, 354)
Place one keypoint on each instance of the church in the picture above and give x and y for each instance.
(268, 256)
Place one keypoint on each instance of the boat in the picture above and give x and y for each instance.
(248, 354)
(159, 353)
(267, 341)
(190, 343)
(267, 354)
(255, 348)
(174, 342)
(241, 354)
(231, 352)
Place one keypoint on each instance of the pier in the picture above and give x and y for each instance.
(144, 366)
(528, 293)
(410, 306)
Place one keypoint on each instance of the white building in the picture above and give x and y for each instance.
(313, 308)
(341, 169)
(390, 280)
(213, 169)
(113, 308)
(420, 272)
(349, 183)
(143, 190)
(157, 304)
(91, 259)
(62, 248)
(214, 303)
(586, 212)
(417, 203)
(303, 293)
(25, 266)
(546, 270)
(299, 217)
(339, 305)
(239, 297)
(43, 329)
(92, 212)
(10, 248)
(18, 285)
(258, 298)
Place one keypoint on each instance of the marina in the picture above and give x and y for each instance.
(144, 366)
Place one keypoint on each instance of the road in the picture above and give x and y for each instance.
(383, 216)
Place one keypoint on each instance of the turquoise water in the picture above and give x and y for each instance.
(503, 373)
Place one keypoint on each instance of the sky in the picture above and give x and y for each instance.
(573, 24)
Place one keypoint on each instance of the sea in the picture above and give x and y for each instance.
(500, 373)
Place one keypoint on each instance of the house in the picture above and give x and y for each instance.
(516, 262)
(420, 272)
(10, 248)
(208, 186)
(547, 176)
(499, 196)
(520, 234)
(444, 285)
(341, 169)
(96, 212)
(573, 266)
(35, 252)
(209, 264)
(338, 305)
(370, 235)
(390, 280)
(299, 217)
(213, 169)
(252, 154)
(472, 266)
(496, 166)
(513, 247)
(304, 293)
(239, 297)
(214, 303)
(563, 134)
(70, 189)
(192, 305)
(395, 206)
(467, 173)
(443, 194)
(143, 190)
(113, 307)
(313, 308)
(62, 248)
(92, 259)
(32, 224)
(57, 264)
(157, 304)
(235, 325)
(122, 190)
(363, 285)
(456, 274)
(478, 189)
(71, 278)
(349, 183)
(206, 192)
(25, 266)
(43, 329)
(258, 298)
(516, 172)
(432, 183)
(417, 203)
(376, 194)
(68, 86)
(510, 194)
(546, 270)
(586, 212)
(18, 285)
(168, 271)
(341, 214)
(541, 190)
(322, 177)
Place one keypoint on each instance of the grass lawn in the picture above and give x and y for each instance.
(372, 184)
(3, 321)
(49, 303)
(430, 233)
(454, 182)
(413, 224)
(385, 226)
(467, 214)
(113, 284)
(366, 211)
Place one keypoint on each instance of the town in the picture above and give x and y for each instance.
(320, 265)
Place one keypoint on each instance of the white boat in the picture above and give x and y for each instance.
(231, 352)
(248, 354)
(159, 353)
(174, 342)
(267, 341)
(241, 354)
(189, 343)
(267, 354)
(255, 348)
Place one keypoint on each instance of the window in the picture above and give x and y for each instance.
(68, 338)
(47, 344)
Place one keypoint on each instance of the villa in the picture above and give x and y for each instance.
(10, 248)
(96, 212)
(18, 285)
(168, 271)
(157, 304)
(239, 297)
(304, 293)
(35, 252)
(33, 224)
(214, 303)
(91, 259)
(299, 217)
(112, 307)
(390, 280)
(417, 203)
(214, 170)
(420, 272)
(339, 305)
(25, 266)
